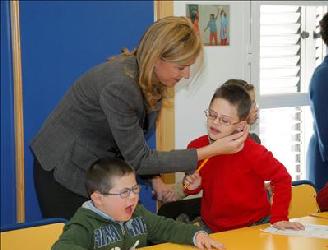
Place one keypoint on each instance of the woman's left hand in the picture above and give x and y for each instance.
(288, 225)
(163, 191)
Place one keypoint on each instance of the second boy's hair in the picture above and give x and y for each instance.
(235, 95)
(247, 86)
(99, 176)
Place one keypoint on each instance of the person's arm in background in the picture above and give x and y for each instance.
(217, 14)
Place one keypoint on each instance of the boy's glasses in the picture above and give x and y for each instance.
(223, 120)
(126, 192)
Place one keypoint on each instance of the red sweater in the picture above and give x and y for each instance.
(233, 187)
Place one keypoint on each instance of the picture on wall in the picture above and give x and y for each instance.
(211, 22)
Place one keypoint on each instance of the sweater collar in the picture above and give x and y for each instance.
(90, 206)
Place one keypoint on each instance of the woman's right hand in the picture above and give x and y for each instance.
(227, 145)
(231, 144)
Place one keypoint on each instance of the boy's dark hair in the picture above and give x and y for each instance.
(324, 28)
(247, 86)
(99, 175)
(236, 95)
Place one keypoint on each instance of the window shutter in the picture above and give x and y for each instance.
(280, 73)
(280, 49)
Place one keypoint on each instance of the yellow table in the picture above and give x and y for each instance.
(323, 215)
(251, 238)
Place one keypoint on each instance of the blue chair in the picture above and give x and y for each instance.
(37, 235)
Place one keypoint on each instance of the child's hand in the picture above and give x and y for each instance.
(192, 182)
(203, 241)
(288, 225)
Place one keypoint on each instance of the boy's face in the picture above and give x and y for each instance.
(253, 114)
(120, 209)
(223, 119)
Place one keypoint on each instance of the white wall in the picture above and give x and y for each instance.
(221, 63)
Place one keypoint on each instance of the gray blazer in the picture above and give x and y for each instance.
(103, 115)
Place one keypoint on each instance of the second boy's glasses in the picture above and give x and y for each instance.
(126, 192)
(223, 120)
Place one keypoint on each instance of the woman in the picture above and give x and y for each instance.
(108, 111)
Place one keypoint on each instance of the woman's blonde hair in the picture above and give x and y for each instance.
(171, 39)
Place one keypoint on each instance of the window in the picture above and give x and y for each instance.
(289, 51)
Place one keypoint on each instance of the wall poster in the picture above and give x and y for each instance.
(211, 22)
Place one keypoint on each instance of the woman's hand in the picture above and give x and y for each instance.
(227, 145)
(162, 191)
(288, 225)
(192, 182)
(232, 143)
(203, 241)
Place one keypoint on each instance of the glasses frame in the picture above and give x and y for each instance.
(126, 192)
(219, 118)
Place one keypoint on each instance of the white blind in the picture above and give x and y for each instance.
(280, 55)
(280, 47)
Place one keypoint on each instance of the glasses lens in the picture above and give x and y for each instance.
(211, 114)
(136, 189)
(225, 121)
(125, 194)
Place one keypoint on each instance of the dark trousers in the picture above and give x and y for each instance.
(190, 207)
(55, 201)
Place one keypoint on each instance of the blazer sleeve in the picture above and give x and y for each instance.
(122, 104)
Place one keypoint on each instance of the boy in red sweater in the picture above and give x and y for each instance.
(233, 192)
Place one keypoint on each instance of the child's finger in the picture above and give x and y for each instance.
(201, 245)
(188, 180)
(196, 175)
(300, 226)
(296, 226)
(217, 245)
(193, 178)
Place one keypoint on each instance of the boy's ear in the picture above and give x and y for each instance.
(96, 197)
